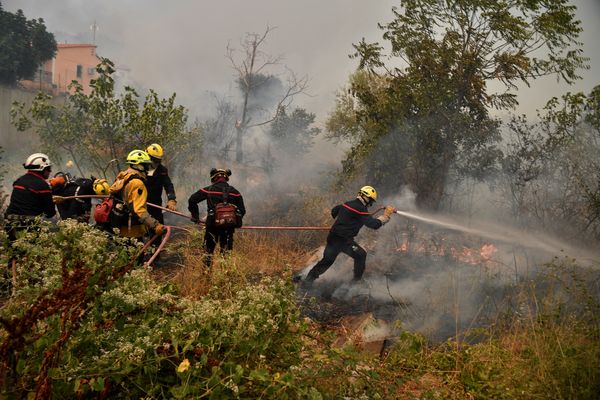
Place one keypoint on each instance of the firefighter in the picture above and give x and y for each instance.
(130, 189)
(31, 197)
(220, 226)
(64, 185)
(158, 179)
(349, 218)
(101, 187)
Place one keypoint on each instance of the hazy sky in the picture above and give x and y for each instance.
(179, 45)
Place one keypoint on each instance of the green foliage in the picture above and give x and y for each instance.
(292, 132)
(100, 129)
(426, 117)
(24, 46)
(83, 323)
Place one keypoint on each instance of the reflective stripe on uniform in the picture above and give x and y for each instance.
(221, 193)
(355, 210)
(32, 190)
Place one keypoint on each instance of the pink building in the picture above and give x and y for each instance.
(71, 62)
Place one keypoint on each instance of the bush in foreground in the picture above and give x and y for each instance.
(86, 320)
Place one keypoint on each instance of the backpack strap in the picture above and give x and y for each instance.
(127, 180)
(226, 195)
(119, 195)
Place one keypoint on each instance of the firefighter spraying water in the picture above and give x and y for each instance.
(349, 219)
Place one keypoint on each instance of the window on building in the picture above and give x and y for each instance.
(79, 71)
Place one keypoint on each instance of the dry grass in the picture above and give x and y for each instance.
(255, 254)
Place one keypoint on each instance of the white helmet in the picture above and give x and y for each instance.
(37, 162)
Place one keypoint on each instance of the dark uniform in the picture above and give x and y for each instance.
(349, 218)
(78, 209)
(213, 195)
(31, 197)
(155, 184)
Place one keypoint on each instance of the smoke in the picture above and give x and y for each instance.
(181, 48)
(429, 274)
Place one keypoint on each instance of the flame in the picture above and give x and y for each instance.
(487, 250)
(467, 255)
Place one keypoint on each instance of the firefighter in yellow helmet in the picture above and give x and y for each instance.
(349, 218)
(158, 179)
(101, 187)
(130, 189)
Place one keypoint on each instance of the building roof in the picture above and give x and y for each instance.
(67, 45)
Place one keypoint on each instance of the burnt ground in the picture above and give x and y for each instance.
(328, 302)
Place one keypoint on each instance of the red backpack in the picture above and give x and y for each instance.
(225, 213)
(103, 210)
(113, 211)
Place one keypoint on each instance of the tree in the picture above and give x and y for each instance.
(427, 115)
(551, 169)
(98, 130)
(292, 132)
(24, 46)
(253, 80)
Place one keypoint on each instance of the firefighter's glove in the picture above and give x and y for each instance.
(57, 199)
(388, 211)
(172, 205)
(160, 229)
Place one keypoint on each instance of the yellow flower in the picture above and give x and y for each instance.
(185, 364)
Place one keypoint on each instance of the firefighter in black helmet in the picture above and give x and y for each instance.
(222, 200)
(349, 218)
(158, 179)
(64, 185)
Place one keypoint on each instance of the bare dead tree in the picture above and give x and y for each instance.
(250, 62)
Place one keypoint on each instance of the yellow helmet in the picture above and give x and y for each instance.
(136, 157)
(368, 192)
(155, 150)
(101, 187)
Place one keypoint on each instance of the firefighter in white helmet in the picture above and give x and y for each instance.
(31, 195)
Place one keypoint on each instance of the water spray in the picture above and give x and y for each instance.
(507, 235)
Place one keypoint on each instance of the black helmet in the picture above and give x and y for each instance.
(215, 173)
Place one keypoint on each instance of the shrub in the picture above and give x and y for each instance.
(85, 320)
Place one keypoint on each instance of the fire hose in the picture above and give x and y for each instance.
(169, 227)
